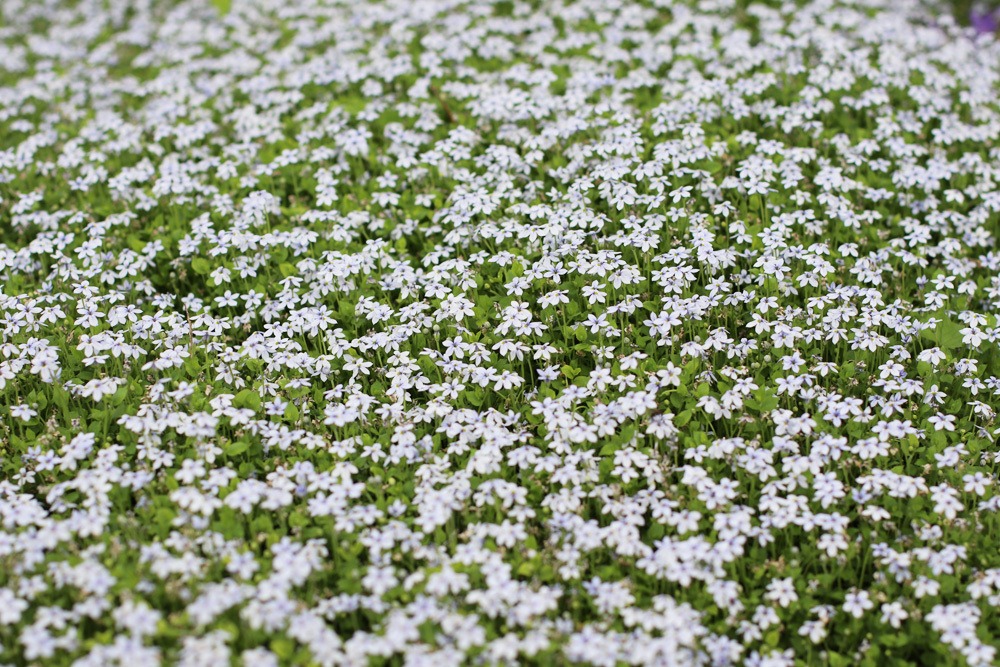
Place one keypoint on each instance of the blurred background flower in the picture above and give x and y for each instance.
(984, 17)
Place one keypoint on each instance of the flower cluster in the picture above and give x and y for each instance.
(498, 332)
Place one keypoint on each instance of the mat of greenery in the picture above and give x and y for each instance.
(496, 332)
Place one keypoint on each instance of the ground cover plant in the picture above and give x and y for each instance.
(440, 332)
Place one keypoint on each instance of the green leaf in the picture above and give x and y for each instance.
(766, 400)
(201, 266)
(282, 647)
(352, 104)
(222, 6)
(837, 660)
(237, 448)
(262, 524)
(247, 398)
(60, 397)
(946, 335)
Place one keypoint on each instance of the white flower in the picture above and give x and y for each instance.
(23, 412)
(857, 603)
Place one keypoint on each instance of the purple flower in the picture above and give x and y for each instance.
(984, 21)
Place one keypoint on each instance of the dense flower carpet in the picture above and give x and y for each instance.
(492, 332)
